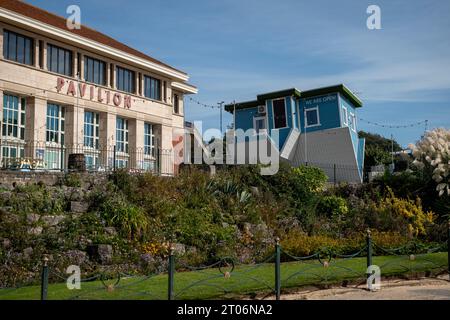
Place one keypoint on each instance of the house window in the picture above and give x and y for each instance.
(259, 124)
(344, 116)
(149, 140)
(312, 117)
(91, 129)
(122, 135)
(176, 104)
(17, 48)
(13, 117)
(279, 113)
(352, 121)
(152, 88)
(125, 80)
(94, 70)
(55, 123)
(59, 60)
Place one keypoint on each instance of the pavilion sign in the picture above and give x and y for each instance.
(93, 93)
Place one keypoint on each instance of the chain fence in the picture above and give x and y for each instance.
(225, 278)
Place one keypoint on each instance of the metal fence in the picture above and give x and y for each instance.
(279, 271)
(46, 156)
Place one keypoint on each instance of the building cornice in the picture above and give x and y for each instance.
(184, 87)
(85, 42)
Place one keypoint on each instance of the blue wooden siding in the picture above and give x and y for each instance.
(328, 112)
(244, 118)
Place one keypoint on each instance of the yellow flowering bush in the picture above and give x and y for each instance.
(410, 210)
(155, 248)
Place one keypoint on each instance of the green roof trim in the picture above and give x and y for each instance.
(242, 105)
(279, 94)
(261, 98)
(342, 89)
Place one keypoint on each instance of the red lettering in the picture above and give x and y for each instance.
(82, 89)
(71, 89)
(108, 97)
(60, 84)
(127, 102)
(117, 99)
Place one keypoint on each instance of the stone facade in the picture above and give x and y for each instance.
(39, 86)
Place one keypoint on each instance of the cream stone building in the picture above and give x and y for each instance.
(79, 91)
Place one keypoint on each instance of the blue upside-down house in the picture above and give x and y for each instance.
(317, 127)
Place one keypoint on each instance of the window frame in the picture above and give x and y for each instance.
(258, 118)
(316, 108)
(25, 41)
(120, 77)
(345, 116)
(94, 138)
(149, 149)
(93, 62)
(176, 104)
(353, 126)
(9, 116)
(53, 49)
(285, 113)
(58, 120)
(152, 88)
(122, 146)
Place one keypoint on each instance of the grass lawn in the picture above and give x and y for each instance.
(246, 280)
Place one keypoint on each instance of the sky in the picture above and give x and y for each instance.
(236, 49)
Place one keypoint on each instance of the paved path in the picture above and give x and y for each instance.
(423, 289)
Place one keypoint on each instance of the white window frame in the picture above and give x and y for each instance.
(316, 108)
(345, 116)
(285, 112)
(353, 126)
(152, 144)
(257, 118)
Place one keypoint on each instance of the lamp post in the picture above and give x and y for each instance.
(220, 106)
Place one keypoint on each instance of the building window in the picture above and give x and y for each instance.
(54, 155)
(176, 104)
(149, 140)
(152, 88)
(91, 129)
(352, 121)
(259, 123)
(312, 117)
(125, 80)
(344, 116)
(94, 71)
(59, 60)
(279, 113)
(17, 48)
(55, 123)
(121, 135)
(13, 117)
(91, 139)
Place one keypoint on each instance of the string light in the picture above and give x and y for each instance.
(424, 122)
(203, 104)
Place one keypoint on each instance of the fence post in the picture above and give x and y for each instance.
(171, 273)
(44, 279)
(448, 250)
(277, 269)
(158, 161)
(114, 158)
(334, 174)
(369, 248)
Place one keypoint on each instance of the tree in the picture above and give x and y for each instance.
(378, 149)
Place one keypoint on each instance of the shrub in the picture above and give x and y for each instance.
(333, 206)
(129, 219)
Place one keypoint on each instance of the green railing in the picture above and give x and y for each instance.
(226, 278)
